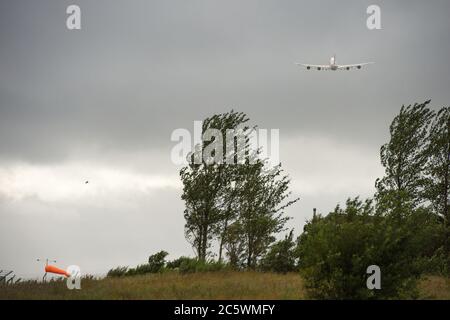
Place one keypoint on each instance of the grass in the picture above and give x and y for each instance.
(433, 287)
(217, 285)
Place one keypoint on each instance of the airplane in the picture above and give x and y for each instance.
(333, 66)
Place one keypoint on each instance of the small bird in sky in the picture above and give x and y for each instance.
(86, 182)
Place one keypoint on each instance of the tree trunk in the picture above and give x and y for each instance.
(204, 242)
(446, 187)
(222, 239)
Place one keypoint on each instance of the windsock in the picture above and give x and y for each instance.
(53, 269)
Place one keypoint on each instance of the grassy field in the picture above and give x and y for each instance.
(219, 285)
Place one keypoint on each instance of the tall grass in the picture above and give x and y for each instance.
(174, 285)
(168, 285)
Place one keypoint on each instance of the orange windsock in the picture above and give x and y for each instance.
(53, 269)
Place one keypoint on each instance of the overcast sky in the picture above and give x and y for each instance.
(100, 104)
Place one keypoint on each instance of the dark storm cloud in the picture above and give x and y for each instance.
(136, 72)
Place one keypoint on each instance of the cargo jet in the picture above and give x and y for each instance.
(333, 66)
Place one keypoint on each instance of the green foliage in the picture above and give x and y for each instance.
(156, 262)
(223, 199)
(234, 246)
(175, 264)
(336, 250)
(261, 200)
(206, 185)
(141, 269)
(404, 157)
(281, 257)
(417, 163)
(117, 272)
(196, 265)
(438, 165)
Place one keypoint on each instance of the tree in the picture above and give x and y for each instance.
(243, 192)
(417, 162)
(438, 172)
(229, 213)
(281, 256)
(234, 246)
(438, 165)
(404, 157)
(262, 199)
(206, 184)
(201, 213)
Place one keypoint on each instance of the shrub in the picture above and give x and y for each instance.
(336, 250)
(175, 264)
(140, 269)
(117, 272)
(281, 256)
(190, 265)
(156, 262)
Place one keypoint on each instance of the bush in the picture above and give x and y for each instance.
(117, 272)
(190, 265)
(140, 269)
(336, 250)
(437, 264)
(175, 264)
(156, 262)
(281, 256)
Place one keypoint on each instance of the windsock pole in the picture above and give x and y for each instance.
(49, 267)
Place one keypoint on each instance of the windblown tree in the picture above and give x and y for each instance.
(229, 212)
(234, 246)
(206, 183)
(404, 158)
(402, 232)
(262, 198)
(201, 185)
(438, 172)
(438, 165)
(231, 195)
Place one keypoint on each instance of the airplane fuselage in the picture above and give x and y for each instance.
(333, 65)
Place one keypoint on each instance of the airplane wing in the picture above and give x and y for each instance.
(314, 66)
(353, 66)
